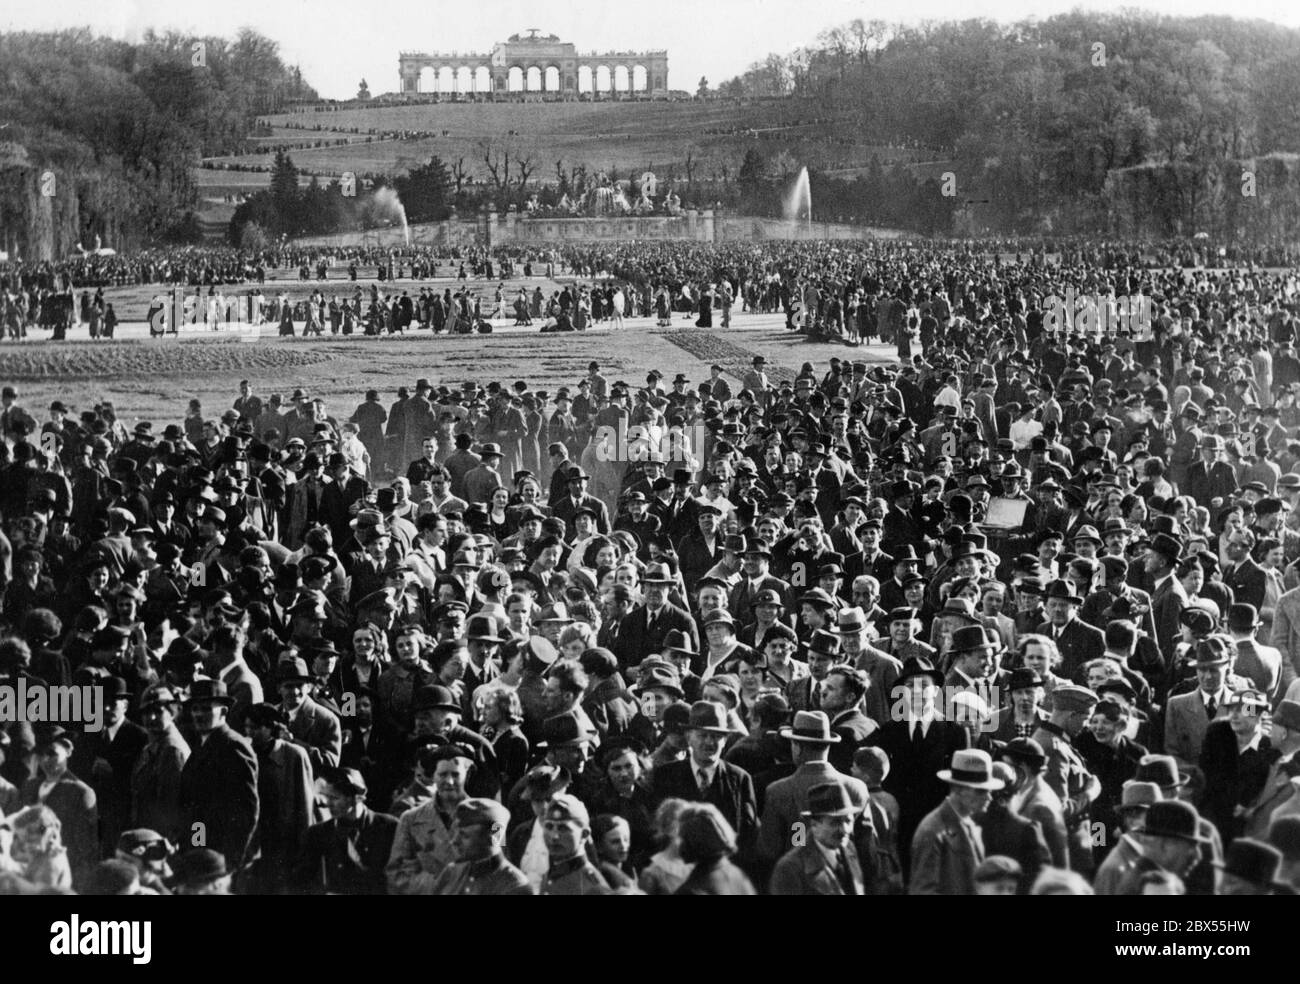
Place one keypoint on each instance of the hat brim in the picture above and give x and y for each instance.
(933, 675)
(788, 732)
(438, 707)
(844, 811)
(707, 728)
(945, 775)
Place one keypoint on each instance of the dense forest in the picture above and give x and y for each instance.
(1126, 123)
(121, 126)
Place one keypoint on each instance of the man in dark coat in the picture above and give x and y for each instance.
(577, 498)
(1245, 577)
(643, 631)
(703, 776)
(107, 758)
(827, 863)
(1076, 640)
(347, 854)
(218, 793)
(919, 743)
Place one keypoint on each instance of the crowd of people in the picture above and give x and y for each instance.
(1019, 613)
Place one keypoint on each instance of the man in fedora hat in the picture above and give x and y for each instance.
(1210, 478)
(1284, 737)
(106, 758)
(1262, 665)
(578, 498)
(156, 773)
(905, 564)
(703, 776)
(881, 667)
(643, 630)
(755, 557)
(1076, 640)
(1066, 772)
(1188, 716)
(287, 801)
(823, 651)
(918, 742)
(218, 787)
(972, 653)
(1171, 841)
(826, 861)
(347, 854)
(947, 845)
(312, 727)
(478, 837)
(811, 740)
(1134, 803)
(1168, 597)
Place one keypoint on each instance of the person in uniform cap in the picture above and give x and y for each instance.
(1065, 771)
(148, 852)
(478, 836)
(827, 862)
(567, 827)
(947, 845)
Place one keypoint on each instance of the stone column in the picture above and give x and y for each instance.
(708, 231)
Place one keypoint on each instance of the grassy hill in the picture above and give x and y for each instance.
(628, 137)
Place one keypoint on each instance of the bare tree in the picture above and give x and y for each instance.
(497, 161)
(524, 166)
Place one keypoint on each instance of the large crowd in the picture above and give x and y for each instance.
(1019, 613)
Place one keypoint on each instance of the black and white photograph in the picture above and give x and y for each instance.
(745, 448)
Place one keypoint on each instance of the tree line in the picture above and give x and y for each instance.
(1125, 123)
(122, 125)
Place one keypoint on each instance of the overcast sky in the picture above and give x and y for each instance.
(337, 43)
